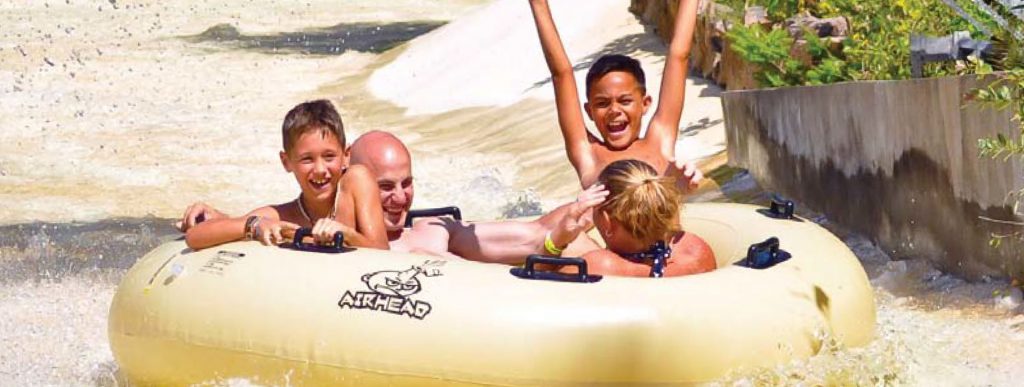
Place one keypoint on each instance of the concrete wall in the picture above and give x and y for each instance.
(896, 160)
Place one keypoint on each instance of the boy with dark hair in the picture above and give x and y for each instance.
(616, 62)
(334, 197)
(617, 100)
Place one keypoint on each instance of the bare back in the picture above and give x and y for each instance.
(690, 255)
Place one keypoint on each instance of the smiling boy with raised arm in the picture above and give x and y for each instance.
(617, 100)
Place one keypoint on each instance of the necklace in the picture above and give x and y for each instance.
(302, 209)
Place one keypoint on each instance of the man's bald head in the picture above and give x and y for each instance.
(388, 158)
(377, 148)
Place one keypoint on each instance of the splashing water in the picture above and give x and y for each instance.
(932, 329)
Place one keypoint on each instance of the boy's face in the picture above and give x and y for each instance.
(617, 106)
(316, 159)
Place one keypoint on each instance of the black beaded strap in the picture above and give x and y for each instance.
(658, 254)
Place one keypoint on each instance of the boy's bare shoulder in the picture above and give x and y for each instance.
(358, 172)
(357, 178)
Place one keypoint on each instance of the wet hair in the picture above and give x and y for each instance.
(646, 204)
(611, 63)
(319, 115)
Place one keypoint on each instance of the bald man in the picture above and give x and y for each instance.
(388, 158)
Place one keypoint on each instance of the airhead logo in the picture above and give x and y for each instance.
(391, 289)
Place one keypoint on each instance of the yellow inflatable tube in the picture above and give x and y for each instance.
(368, 317)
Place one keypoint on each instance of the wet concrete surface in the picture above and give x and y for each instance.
(335, 40)
(52, 251)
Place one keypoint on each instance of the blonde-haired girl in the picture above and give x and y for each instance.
(639, 222)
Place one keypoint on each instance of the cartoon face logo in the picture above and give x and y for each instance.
(401, 283)
(391, 290)
(394, 283)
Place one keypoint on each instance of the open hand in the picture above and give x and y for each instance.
(688, 176)
(196, 213)
(579, 218)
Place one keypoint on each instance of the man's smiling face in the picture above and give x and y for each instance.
(389, 160)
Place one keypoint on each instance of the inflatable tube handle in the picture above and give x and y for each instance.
(452, 211)
(336, 246)
(781, 208)
(764, 255)
(529, 272)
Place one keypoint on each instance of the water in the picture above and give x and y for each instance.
(117, 114)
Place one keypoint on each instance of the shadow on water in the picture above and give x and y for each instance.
(700, 126)
(335, 40)
(52, 251)
(645, 43)
(714, 91)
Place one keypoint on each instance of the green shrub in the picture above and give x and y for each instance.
(877, 46)
(771, 52)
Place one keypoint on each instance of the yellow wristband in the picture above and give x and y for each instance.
(549, 246)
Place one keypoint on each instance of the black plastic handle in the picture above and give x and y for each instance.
(781, 208)
(452, 211)
(336, 246)
(764, 255)
(529, 272)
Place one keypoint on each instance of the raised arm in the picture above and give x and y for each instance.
(567, 99)
(664, 127)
